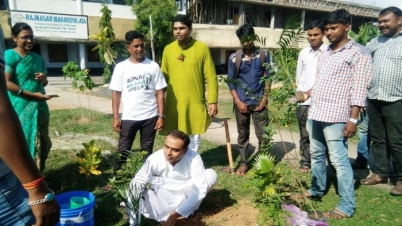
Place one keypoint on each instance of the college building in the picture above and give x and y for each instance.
(62, 27)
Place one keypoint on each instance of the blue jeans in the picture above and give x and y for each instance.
(323, 136)
(364, 139)
(14, 209)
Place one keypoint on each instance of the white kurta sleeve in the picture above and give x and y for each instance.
(199, 183)
(142, 178)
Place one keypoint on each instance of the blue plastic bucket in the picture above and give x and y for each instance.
(73, 215)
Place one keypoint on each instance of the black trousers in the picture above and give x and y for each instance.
(386, 134)
(260, 119)
(301, 115)
(129, 129)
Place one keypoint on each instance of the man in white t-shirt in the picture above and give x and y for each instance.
(138, 83)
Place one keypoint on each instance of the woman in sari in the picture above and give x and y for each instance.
(26, 77)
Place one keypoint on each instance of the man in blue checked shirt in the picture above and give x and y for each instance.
(384, 105)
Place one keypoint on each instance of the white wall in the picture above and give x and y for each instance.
(70, 7)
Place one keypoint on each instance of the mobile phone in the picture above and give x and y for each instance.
(53, 95)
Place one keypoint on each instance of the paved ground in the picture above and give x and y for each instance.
(285, 143)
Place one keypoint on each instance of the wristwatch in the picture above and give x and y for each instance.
(48, 197)
(161, 116)
(355, 121)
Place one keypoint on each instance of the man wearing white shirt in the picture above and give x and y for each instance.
(138, 83)
(305, 78)
(173, 181)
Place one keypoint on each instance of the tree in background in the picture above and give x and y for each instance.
(367, 31)
(106, 22)
(162, 13)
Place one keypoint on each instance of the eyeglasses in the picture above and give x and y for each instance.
(27, 37)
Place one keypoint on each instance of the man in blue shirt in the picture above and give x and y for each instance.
(250, 96)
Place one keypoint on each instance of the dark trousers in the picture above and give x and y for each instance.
(301, 115)
(260, 119)
(386, 133)
(129, 129)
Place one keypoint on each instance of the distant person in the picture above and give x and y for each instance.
(384, 105)
(26, 78)
(189, 71)
(177, 179)
(338, 94)
(305, 78)
(138, 83)
(18, 201)
(250, 94)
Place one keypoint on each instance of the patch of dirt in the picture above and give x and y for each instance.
(241, 214)
(64, 142)
(84, 120)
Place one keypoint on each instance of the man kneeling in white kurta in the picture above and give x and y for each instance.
(173, 181)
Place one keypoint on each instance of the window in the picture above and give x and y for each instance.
(92, 55)
(57, 53)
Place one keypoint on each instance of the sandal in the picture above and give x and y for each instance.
(108, 187)
(242, 170)
(301, 196)
(304, 169)
(335, 214)
(374, 179)
(397, 190)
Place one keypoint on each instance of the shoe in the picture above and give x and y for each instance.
(397, 190)
(358, 165)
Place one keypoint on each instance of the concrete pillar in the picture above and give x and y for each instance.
(82, 53)
(80, 11)
(12, 5)
(241, 8)
(81, 46)
(272, 25)
(242, 16)
(303, 18)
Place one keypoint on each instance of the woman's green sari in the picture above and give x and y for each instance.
(23, 71)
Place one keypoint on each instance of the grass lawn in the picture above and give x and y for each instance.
(373, 206)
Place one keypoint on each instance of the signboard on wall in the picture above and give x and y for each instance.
(48, 25)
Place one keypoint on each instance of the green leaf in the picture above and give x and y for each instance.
(108, 58)
(266, 165)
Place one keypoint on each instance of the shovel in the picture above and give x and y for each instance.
(229, 147)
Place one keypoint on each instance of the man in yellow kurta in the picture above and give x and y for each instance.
(187, 66)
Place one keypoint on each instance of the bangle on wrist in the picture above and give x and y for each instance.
(33, 184)
(20, 92)
(161, 116)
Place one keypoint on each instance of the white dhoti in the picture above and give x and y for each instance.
(165, 195)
